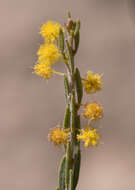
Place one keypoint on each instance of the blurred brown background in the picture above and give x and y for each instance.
(29, 106)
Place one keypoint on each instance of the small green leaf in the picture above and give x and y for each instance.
(62, 174)
(78, 122)
(77, 27)
(66, 123)
(73, 112)
(66, 87)
(77, 40)
(76, 169)
(68, 14)
(79, 87)
(61, 41)
(76, 36)
(68, 160)
(77, 131)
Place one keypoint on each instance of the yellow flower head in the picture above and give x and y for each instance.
(44, 70)
(50, 31)
(93, 111)
(92, 83)
(89, 136)
(58, 136)
(49, 53)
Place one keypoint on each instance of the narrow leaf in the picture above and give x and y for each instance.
(61, 41)
(68, 160)
(62, 174)
(77, 129)
(66, 88)
(66, 123)
(77, 27)
(76, 169)
(79, 87)
(78, 122)
(76, 35)
(73, 112)
(68, 14)
(76, 40)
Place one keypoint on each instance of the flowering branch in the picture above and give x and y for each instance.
(61, 45)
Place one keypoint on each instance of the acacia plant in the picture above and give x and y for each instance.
(60, 45)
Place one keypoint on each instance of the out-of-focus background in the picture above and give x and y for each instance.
(29, 106)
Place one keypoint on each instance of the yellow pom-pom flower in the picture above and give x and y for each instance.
(44, 70)
(50, 31)
(59, 136)
(49, 53)
(93, 111)
(90, 137)
(92, 83)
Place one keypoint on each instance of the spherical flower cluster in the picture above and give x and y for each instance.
(92, 83)
(50, 31)
(59, 136)
(90, 137)
(44, 70)
(93, 111)
(48, 53)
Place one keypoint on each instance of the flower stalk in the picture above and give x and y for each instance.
(61, 45)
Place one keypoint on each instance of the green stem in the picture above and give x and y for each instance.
(73, 88)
